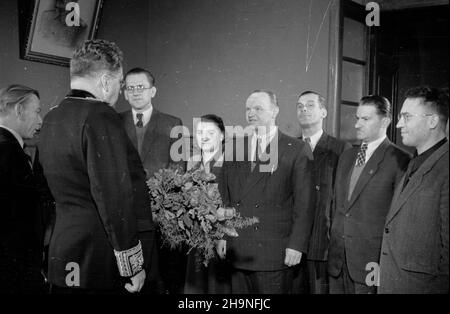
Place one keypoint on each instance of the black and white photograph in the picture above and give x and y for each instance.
(224, 155)
(57, 27)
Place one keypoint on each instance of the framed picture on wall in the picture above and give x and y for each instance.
(56, 27)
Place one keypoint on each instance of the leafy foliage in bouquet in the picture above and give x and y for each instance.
(188, 210)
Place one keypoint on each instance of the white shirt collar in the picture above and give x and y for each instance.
(314, 138)
(205, 160)
(145, 118)
(16, 135)
(263, 141)
(208, 156)
(372, 146)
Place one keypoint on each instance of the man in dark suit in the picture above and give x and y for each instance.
(273, 183)
(21, 240)
(414, 253)
(103, 234)
(148, 128)
(367, 176)
(150, 132)
(311, 112)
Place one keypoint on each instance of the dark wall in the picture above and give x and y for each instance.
(414, 46)
(124, 22)
(50, 80)
(208, 55)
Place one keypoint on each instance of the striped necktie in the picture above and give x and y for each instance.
(308, 141)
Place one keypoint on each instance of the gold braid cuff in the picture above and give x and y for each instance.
(130, 261)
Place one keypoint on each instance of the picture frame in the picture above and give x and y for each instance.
(56, 27)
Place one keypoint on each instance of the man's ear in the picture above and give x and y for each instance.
(324, 113)
(385, 122)
(276, 110)
(19, 109)
(153, 91)
(433, 122)
(105, 82)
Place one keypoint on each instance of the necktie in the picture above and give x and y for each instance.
(29, 161)
(257, 153)
(139, 123)
(28, 157)
(361, 158)
(308, 141)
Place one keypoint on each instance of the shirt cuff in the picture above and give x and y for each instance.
(130, 261)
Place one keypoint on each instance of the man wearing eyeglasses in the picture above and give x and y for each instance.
(366, 177)
(414, 254)
(149, 130)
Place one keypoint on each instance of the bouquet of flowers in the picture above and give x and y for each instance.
(188, 210)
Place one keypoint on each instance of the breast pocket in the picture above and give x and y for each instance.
(421, 251)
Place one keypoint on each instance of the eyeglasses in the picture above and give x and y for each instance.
(406, 116)
(307, 106)
(137, 88)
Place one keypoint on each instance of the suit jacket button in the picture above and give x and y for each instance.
(343, 236)
(256, 205)
(238, 204)
(386, 230)
(347, 215)
(318, 187)
(256, 228)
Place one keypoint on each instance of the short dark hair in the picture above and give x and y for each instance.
(150, 77)
(95, 56)
(434, 98)
(321, 98)
(13, 95)
(272, 96)
(214, 119)
(381, 103)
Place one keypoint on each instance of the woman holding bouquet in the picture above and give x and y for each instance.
(210, 138)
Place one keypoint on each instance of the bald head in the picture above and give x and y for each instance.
(262, 108)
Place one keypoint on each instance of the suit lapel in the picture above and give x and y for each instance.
(369, 170)
(130, 128)
(347, 173)
(150, 135)
(256, 176)
(243, 168)
(400, 197)
(320, 151)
